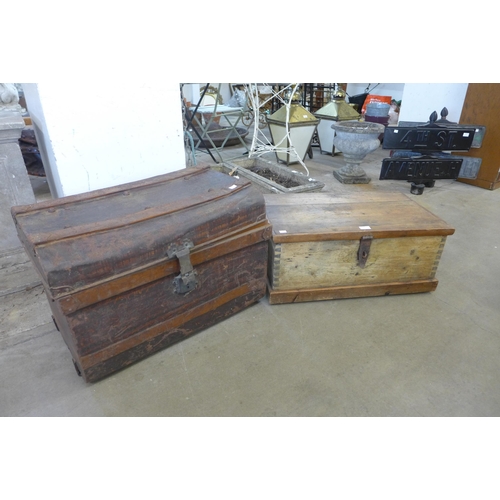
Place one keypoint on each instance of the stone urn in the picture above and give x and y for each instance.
(355, 140)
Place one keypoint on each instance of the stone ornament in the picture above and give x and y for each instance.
(355, 140)
(9, 98)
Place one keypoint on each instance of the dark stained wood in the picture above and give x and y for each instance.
(201, 208)
(100, 291)
(170, 334)
(159, 302)
(482, 107)
(103, 260)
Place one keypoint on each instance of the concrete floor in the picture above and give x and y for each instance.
(431, 354)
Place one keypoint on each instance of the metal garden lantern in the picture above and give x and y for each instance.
(292, 129)
(335, 111)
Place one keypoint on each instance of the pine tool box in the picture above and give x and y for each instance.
(328, 246)
(130, 270)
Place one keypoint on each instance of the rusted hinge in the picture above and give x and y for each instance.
(364, 250)
(186, 281)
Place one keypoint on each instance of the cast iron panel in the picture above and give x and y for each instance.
(412, 169)
(429, 138)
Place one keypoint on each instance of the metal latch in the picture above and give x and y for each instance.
(364, 250)
(186, 281)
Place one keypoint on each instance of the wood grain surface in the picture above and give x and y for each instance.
(317, 236)
(108, 261)
(327, 216)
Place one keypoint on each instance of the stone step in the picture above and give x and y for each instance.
(24, 311)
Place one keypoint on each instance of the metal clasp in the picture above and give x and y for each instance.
(186, 281)
(364, 250)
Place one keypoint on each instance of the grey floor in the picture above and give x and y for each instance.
(431, 354)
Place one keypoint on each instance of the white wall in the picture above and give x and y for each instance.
(394, 90)
(45, 147)
(98, 136)
(421, 99)
(192, 91)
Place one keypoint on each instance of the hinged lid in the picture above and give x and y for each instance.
(80, 240)
(330, 216)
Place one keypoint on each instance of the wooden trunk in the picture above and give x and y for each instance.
(132, 269)
(328, 246)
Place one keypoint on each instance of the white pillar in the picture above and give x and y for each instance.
(93, 135)
(15, 186)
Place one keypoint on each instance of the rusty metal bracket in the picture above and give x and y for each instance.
(186, 281)
(364, 250)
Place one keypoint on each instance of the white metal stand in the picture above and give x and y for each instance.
(260, 142)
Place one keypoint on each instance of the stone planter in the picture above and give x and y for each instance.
(241, 167)
(355, 140)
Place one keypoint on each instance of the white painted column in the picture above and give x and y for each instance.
(93, 135)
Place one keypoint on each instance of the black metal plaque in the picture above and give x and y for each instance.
(419, 169)
(429, 138)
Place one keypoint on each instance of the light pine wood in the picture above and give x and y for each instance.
(334, 263)
(327, 216)
(316, 237)
(349, 292)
